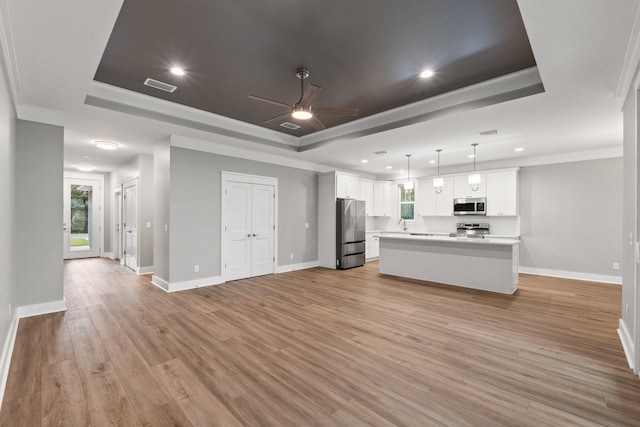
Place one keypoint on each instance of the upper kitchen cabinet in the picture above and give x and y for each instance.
(462, 189)
(347, 186)
(366, 194)
(432, 201)
(382, 198)
(502, 193)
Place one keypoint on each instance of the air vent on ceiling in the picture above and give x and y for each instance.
(160, 85)
(380, 153)
(490, 132)
(290, 125)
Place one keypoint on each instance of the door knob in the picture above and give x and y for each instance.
(254, 235)
(248, 235)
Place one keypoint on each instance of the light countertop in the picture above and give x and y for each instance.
(446, 238)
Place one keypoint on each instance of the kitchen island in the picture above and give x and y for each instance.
(489, 264)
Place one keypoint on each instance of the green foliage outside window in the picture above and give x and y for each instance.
(407, 202)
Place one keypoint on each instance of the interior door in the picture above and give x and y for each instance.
(262, 229)
(237, 232)
(82, 216)
(130, 225)
(117, 223)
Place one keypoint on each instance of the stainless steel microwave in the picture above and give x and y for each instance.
(470, 206)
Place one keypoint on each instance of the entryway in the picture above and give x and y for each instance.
(249, 239)
(82, 216)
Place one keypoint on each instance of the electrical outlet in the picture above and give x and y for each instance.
(196, 268)
(290, 256)
(166, 227)
(616, 266)
(306, 225)
(626, 310)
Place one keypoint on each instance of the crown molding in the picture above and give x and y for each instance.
(244, 153)
(631, 61)
(40, 115)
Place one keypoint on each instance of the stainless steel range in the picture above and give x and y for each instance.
(472, 230)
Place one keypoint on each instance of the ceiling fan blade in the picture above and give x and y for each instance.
(315, 123)
(309, 95)
(270, 101)
(353, 112)
(278, 118)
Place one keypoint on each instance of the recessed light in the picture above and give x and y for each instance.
(389, 167)
(85, 168)
(427, 74)
(107, 145)
(432, 161)
(364, 161)
(471, 156)
(519, 149)
(178, 71)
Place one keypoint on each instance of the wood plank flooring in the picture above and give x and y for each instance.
(321, 348)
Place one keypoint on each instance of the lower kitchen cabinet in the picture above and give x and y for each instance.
(371, 246)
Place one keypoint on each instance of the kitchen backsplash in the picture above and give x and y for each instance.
(498, 225)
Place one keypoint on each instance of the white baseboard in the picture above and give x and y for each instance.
(294, 267)
(187, 284)
(144, 270)
(108, 255)
(616, 280)
(627, 343)
(39, 309)
(159, 282)
(5, 357)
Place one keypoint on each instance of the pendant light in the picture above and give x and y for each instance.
(438, 183)
(408, 185)
(474, 178)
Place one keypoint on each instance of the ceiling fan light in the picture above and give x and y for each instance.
(301, 113)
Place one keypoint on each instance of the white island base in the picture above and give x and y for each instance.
(485, 264)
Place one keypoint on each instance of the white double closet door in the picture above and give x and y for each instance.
(248, 230)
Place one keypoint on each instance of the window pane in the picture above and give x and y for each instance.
(406, 195)
(406, 211)
(81, 205)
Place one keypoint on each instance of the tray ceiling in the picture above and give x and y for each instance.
(365, 54)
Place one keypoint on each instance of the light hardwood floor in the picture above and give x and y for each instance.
(321, 347)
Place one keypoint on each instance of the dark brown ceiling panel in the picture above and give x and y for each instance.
(365, 54)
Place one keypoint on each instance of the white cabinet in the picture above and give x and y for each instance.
(431, 203)
(382, 196)
(346, 186)
(371, 246)
(366, 194)
(502, 193)
(462, 189)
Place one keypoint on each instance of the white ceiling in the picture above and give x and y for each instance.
(52, 49)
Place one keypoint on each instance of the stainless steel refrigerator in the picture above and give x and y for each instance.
(350, 233)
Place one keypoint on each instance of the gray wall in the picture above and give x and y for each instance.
(161, 210)
(7, 217)
(39, 206)
(195, 211)
(571, 215)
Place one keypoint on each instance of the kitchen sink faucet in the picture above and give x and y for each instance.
(404, 224)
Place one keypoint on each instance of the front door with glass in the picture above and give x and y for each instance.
(82, 218)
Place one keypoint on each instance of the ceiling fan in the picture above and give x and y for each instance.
(302, 110)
